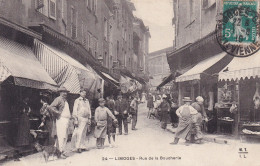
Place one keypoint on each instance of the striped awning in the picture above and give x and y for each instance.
(241, 68)
(18, 60)
(195, 72)
(109, 77)
(65, 70)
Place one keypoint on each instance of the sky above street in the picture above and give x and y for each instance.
(157, 14)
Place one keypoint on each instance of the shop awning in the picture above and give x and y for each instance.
(195, 72)
(242, 68)
(110, 77)
(166, 80)
(19, 61)
(64, 69)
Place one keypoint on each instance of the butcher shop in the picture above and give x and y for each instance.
(239, 97)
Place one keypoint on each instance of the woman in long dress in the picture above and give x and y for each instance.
(165, 108)
(23, 136)
(101, 116)
(150, 105)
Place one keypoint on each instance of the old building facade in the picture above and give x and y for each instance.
(103, 27)
(158, 66)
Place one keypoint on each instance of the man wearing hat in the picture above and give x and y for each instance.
(82, 119)
(121, 112)
(185, 113)
(198, 105)
(60, 108)
(101, 117)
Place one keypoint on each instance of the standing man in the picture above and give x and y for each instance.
(82, 119)
(198, 105)
(134, 111)
(60, 109)
(121, 111)
(185, 113)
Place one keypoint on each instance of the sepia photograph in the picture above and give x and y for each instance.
(129, 82)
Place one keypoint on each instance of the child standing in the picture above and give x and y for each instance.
(101, 115)
(111, 125)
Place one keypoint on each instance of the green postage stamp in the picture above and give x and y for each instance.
(238, 31)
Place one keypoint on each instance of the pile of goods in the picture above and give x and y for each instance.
(246, 131)
(226, 119)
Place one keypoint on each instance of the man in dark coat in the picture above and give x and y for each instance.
(121, 112)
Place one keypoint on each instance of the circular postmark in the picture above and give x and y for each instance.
(238, 30)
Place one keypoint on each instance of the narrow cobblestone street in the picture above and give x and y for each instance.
(149, 145)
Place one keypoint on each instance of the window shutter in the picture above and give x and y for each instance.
(52, 9)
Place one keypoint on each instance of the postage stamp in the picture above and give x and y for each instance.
(238, 29)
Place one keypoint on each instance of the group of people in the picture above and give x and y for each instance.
(187, 118)
(109, 115)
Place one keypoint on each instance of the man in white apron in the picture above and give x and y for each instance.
(82, 119)
(60, 108)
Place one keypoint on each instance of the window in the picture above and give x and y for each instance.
(73, 23)
(52, 9)
(89, 4)
(83, 35)
(105, 59)
(89, 41)
(94, 6)
(42, 6)
(64, 10)
(95, 46)
(105, 28)
(117, 49)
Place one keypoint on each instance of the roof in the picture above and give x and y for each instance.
(164, 50)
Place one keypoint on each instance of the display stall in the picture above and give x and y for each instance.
(238, 102)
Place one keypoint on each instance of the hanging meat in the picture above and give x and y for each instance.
(256, 97)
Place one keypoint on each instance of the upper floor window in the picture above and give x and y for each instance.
(95, 47)
(208, 3)
(52, 9)
(73, 23)
(105, 28)
(94, 6)
(46, 7)
(89, 41)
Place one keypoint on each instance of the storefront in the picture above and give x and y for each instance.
(202, 80)
(22, 76)
(238, 101)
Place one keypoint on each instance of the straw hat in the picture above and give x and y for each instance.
(187, 99)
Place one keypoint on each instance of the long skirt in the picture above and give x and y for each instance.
(78, 139)
(183, 128)
(164, 118)
(23, 135)
(101, 129)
